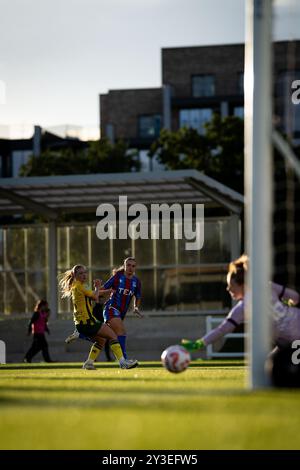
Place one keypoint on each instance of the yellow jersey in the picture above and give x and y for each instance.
(82, 304)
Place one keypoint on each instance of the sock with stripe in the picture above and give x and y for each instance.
(117, 350)
(122, 341)
(94, 352)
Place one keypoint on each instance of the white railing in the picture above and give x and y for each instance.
(212, 322)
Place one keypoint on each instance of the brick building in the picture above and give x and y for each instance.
(196, 82)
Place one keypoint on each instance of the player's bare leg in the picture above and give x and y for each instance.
(106, 333)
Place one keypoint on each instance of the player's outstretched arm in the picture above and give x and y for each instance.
(285, 294)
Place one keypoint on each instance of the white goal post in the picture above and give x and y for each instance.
(258, 182)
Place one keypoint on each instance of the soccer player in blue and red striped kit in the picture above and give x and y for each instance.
(125, 286)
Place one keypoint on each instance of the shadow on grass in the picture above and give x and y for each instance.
(148, 400)
(175, 400)
(124, 376)
(53, 366)
(140, 390)
(114, 365)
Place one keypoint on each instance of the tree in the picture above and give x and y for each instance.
(100, 157)
(104, 157)
(62, 162)
(218, 153)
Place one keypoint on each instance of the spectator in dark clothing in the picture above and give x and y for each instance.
(38, 326)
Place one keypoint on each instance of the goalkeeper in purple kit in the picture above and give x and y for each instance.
(285, 317)
(235, 286)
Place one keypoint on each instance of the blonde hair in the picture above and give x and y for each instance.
(237, 269)
(122, 268)
(66, 280)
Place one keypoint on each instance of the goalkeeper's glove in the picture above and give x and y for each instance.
(137, 313)
(193, 345)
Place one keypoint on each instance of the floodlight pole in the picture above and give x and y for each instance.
(258, 182)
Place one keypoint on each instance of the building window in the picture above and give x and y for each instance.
(203, 85)
(241, 83)
(149, 125)
(238, 111)
(195, 118)
(19, 158)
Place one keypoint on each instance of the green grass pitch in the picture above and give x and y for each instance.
(61, 406)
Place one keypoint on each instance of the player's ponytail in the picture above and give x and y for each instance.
(238, 268)
(121, 268)
(66, 280)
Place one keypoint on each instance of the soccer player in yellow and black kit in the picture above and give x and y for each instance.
(72, 284)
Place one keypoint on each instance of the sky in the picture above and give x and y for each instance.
(57, 56)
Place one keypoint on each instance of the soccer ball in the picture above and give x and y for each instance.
(175, 358)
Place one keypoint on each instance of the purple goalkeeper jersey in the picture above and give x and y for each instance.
(233, 319)
(285, 320)
(124, 289)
